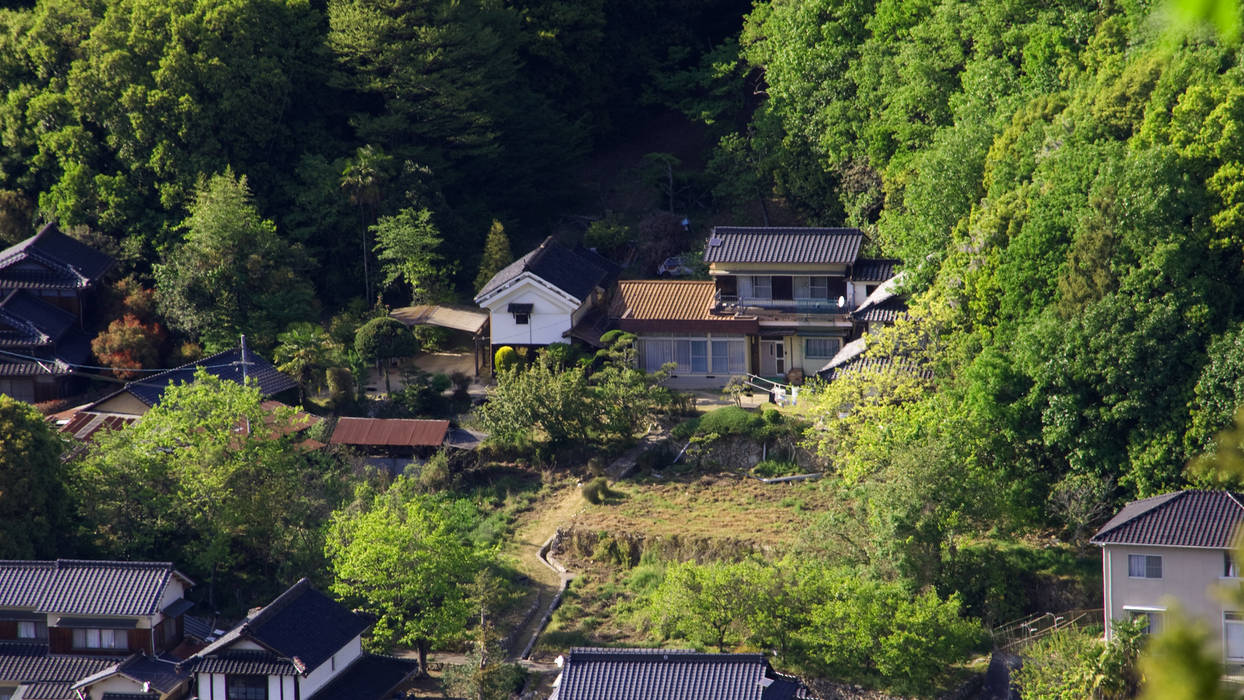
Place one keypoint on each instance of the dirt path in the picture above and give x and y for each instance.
(534, 529)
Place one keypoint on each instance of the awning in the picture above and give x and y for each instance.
(177, 607)
(96, 623)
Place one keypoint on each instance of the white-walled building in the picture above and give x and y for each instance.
(540, 298)
(301, 646)
(1175, 550)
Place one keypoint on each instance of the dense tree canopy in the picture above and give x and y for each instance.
(213, 480)
(34, 500)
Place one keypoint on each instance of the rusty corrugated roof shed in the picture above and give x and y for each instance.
(390, 432)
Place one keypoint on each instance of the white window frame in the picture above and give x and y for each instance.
(807, 341)
(1236, 619)
(1145, 568)
(1154, 616)
(818, 291)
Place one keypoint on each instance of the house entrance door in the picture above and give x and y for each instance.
(772, 358)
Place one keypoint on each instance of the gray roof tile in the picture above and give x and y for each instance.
(84, 587)
(302, 625)
(822, 246)
(574, 271)
(226, 365)
(43, 667)
(670, 674)
(874, 269)
(1180, 519)
(245, 662)
(65, 263)
(371, 677)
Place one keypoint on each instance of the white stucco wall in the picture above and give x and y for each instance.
(328, 670)
(1189, 579)
(552, 314)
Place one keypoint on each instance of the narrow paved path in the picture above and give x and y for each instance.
(532, 533)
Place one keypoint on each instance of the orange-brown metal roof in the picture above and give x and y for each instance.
(403, 432)
(672, 300)
(673, 306)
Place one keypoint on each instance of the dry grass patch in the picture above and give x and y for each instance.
(709, 506)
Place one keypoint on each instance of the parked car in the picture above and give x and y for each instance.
(674, 266)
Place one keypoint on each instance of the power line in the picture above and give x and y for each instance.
(77, 365)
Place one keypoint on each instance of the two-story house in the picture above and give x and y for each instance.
(301, 646)
(542, 297)
(1175, 550)
(670, 674)
(64, 621)
(47, 285)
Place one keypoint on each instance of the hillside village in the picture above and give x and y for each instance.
(731, 349)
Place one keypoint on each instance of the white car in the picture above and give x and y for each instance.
(673, 266)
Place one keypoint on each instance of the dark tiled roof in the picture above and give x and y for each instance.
(81, 587)
(874, 269)
(302, 624)
(783, 245)
(399, 432)
(63, 668)
(197, 627)
(244, 662)
(130, 696)
(886, 311)
(576, 272)
(62, 262)
(670, 674)
(226, 365)
(161, 675)
(32, 320)
(1179, 519)
(859, 363)
(49, 691)
(369, 678)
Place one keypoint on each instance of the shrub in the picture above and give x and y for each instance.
(730, 420)
(597, 490)
(505, 360)
(771, 415)
(340, 382)
(775, 467)
(562, 354)
(432, 338)
(685, 429)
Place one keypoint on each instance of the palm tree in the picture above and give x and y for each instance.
(304, 351)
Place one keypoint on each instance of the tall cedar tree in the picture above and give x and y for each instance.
(232, 274)
(496, 254)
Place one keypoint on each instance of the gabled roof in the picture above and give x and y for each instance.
(162, 675)
(54, 261)
(226, 365)
(1179, 519)
(390, 432)
(670, 674)
(33, 321)
(874, 269)
(823, 246)
(301, 625)
(574, 271)
(85, 587)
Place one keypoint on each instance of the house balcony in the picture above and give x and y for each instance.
(732, 303)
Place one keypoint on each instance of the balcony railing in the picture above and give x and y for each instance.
(798, 306)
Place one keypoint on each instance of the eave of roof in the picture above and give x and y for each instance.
(1190, 518)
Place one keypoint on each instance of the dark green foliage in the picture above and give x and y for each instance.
(775, 467)
(497, 255)
(730, 420)
(597, 491)
(34, 501)
(383, 338)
